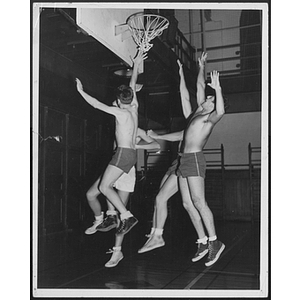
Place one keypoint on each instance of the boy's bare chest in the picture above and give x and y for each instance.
(197, 121)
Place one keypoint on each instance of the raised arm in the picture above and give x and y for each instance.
(171, 137)
(94, 102)
(184, 93)
(201, 79)
(143, 141)
(136, 63)
(220, 110)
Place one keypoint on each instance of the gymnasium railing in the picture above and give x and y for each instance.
(254, 156)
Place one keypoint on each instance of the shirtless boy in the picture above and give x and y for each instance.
(126, 118)
(191, 170)
(169, 183)
(123, 186)
(191, 163)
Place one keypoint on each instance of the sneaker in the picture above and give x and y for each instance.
(126, 225)
(215, 249)
(108, 223)
(116, 257)
(93, 229)
(153, 242)
(201, 252)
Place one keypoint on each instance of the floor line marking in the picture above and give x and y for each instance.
(196, 279)
(233, 273)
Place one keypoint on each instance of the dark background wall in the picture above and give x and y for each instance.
(76, 141)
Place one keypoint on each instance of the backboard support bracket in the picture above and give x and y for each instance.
(123, 30)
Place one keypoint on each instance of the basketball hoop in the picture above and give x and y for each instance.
(145, 27)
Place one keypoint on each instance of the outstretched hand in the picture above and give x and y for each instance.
(79, 85)
(215, 83)
(140, 56)
(152, 134)
(202, 59)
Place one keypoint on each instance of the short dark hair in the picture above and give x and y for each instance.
(125, 94)
(209, 91)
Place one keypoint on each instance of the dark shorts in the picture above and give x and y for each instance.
(124, 159)
(191, 164)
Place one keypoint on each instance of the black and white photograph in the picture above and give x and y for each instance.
(150, 149)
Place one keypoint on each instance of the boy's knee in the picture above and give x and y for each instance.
(104, 187)
(200, 204)
(92, 194)
(187, 206)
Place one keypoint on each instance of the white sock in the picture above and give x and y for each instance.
(203, 240)
(126, 215)
(111, 213)
(212, 238)
(99, 218)
(117, 248)
(158, 231)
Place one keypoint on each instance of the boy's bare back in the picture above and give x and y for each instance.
(126, 127)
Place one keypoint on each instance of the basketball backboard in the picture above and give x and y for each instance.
(101, 23)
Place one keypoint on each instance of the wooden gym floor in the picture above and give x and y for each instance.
(76, 261)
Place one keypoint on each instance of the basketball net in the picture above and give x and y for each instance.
(146, 27)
